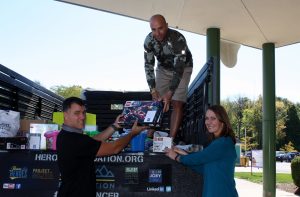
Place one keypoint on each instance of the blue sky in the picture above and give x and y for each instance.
(61, 44)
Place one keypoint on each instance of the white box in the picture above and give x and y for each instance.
(34, 141)
(42, 129)
(160, 143)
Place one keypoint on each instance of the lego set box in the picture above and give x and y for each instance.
(145, 112)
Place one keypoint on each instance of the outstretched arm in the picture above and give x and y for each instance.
(110, 148)
(104, 135)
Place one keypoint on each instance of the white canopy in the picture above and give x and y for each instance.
(247, 22)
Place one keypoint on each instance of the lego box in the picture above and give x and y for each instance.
(145, 112)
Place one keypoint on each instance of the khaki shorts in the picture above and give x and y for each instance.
(163, 78)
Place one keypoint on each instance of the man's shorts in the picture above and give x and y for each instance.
(163, 78)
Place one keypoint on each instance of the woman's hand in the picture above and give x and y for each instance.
(180, 151)
(170, 153)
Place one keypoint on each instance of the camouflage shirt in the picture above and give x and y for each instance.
(172, 54)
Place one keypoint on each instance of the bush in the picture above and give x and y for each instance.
(295, 168)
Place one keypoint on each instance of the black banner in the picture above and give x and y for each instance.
(36, 173)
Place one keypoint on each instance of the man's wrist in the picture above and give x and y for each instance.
(152, 90)
(115, 128)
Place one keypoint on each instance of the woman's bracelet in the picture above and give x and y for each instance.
(177, 157)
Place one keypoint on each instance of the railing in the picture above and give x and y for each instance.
(23, 95)
(193, 124)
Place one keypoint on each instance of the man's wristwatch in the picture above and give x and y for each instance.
(114, 127)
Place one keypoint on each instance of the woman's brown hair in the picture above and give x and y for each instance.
(223, 117)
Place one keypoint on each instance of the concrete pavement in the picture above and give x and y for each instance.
(248, 189)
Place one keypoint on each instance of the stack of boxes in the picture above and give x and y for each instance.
(41, 134)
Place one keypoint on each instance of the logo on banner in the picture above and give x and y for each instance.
(131, 175)
(18, 173)
(42, 173)
(103, 172)
(104, 178)
(155, 176)
(168, 188)
(8, 186)
(18, 186)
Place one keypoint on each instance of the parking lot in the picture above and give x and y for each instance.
(281, 167)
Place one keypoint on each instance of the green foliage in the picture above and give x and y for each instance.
(292, 124)
(281, 117)
(295, 169)
(289, 147)
(66, 92)
(245, 114)
(235, 113)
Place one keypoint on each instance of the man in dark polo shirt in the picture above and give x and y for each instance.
(76, 151)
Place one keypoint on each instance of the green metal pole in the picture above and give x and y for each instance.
(269, 125)
(213, 50)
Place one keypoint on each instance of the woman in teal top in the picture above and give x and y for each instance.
(217, 161)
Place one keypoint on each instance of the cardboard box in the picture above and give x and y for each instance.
(160, 143)
(42, 129)
(25, 124)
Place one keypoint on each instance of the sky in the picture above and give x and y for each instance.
(56, 43)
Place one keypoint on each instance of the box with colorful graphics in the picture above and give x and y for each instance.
(145, 112)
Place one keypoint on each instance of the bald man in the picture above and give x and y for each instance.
(173, 71)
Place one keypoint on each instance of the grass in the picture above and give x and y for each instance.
(257, 177)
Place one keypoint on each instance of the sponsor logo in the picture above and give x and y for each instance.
(107, 194)
(161, 189)
(18, 186)
(155, 176)
(168, 188)
(153, 189)
(121, 159)
(131, 170)
(156, 189)
(8, 186)
(105, 179)
(46, 157)
(42, 173)
(17, 173)
(131, 175)
(103, 172)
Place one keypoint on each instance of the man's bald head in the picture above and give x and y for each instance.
(159, 27)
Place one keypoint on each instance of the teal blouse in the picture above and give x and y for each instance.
(216, 162)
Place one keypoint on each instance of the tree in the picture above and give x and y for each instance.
(235, 112)
(292, 126)
(289, 147)
(281, 117)
(66, 92)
